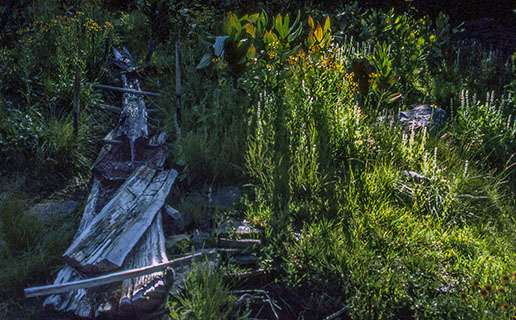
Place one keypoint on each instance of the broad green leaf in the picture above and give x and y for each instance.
(251, 52)
(218, 46)
(262, 22)
(234, 22)
(251, 30)
(293, 35)
(326, 24)
(205, 61)
(294, 25)
(269, 37)
(280, 27)
(310, 40)
(253, 18)
(319, 32)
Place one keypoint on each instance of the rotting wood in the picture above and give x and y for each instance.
(77, 301)
(132, 151)
(118, 110)
(109, 238)
(148, 291)
(116, 276)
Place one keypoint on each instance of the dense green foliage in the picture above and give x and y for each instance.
(271, 103)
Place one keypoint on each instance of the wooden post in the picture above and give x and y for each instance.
(76, 94)
(178, 88)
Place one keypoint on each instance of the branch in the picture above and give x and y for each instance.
(113, 277)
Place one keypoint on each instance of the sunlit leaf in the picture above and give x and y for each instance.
(311, 22)
(269, 37)
(251, 52)
(253, 18)
(319, 32)
(251, 30)
(393, 97)
(326, 24)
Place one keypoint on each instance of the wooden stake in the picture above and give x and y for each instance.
(113, 277)
(178, 88)
(76, 94)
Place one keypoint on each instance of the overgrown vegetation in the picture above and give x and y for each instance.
(270, 100)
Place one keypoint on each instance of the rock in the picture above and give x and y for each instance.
(221, 199)
(200, 239)
(422, 116)
(47, 212)
(240, 229)
(244, 244)
(245, 260)
(225, 198)
(174, 221)
(173, 240)
(414, 176)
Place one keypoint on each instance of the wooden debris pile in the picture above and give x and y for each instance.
(121, 228)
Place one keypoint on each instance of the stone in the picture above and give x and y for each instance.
(422, 116)
(245, 260)
(225, 198)
(248, 244)
(174, 221)
(200, 239)
(172, 240)
(222, 199)
(46, 212)
(240, 229)
(416, 177)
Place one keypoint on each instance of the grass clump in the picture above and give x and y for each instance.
(205, 296)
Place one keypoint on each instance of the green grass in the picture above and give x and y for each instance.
(323, 176)
(32, 252)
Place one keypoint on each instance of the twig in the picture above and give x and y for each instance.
(103, 86)
(336, 314)
(113, 277)
(110, 108)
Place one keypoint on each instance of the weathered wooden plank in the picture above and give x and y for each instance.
(106, 242)
(147, 292)
(78, 302)
(116, 276)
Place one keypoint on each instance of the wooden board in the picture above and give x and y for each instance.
(109, 238)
